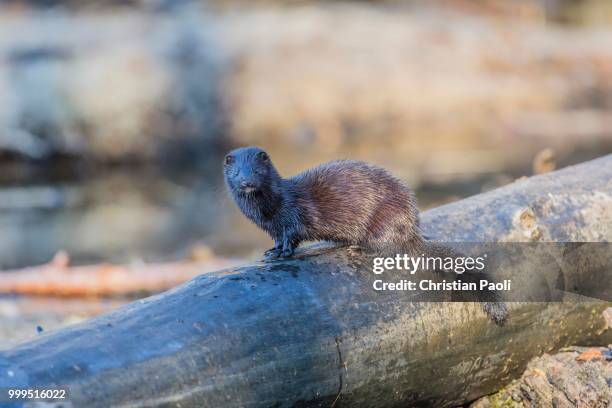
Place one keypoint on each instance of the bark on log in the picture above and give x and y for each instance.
(576, 377)
(309, 332)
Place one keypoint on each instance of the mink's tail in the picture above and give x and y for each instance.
(491, 302)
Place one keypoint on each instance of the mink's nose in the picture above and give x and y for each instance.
(247, 184)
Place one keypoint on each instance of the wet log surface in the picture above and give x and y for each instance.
(311, 332)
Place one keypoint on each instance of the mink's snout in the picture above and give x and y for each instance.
(247, 186)
(247, 181)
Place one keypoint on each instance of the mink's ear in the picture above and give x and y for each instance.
(263, 156)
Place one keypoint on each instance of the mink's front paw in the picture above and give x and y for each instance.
(273, 253)
(287, 252)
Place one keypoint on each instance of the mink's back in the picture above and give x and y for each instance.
(355, 202)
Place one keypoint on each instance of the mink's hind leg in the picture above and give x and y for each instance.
(354, 250)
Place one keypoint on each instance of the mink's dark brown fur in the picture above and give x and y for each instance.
(345, 201)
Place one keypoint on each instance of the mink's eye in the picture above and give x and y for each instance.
(263, 156)
(228, 160)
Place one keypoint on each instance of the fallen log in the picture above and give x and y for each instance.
(575, 377)
(309, 332)
(58, 278)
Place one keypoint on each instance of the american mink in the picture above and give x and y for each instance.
(344, 201)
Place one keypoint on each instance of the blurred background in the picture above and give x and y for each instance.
(115, 116)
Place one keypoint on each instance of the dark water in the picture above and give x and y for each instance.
(115, 215)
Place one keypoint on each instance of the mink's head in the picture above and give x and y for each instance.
(249, 170)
